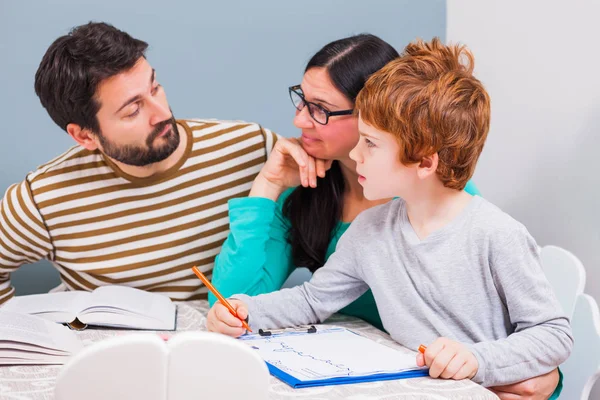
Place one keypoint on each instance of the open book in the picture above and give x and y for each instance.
(109, 306)
(27, 339)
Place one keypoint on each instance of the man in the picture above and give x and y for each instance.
(142, 197)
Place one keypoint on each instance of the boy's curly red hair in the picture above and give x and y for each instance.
(430, 101)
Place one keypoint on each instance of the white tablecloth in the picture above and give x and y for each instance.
(37, 382)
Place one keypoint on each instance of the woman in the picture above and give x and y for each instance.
(307, 194)
(294, 216)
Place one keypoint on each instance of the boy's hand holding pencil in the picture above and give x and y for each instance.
(221, 320)
(227, 317)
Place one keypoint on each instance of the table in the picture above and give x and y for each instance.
(37, 382)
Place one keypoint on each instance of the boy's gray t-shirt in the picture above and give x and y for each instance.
(477, 281)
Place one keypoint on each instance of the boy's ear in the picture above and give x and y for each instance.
(84, 137)
(428, 166)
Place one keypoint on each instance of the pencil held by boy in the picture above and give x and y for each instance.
(447, 269)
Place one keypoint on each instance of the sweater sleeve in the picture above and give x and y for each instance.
(542, 337)
(332, 287)
(24, 237)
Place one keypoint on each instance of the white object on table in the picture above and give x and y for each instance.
(124, 367)
(212, 366)
(141, 366)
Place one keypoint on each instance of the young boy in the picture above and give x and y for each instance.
(446, 269)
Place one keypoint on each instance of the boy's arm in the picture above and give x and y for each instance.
(331, 288)
(23, 234)
(542, 337)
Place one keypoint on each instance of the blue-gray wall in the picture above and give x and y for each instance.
(228, 60)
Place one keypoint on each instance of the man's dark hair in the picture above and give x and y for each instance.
(74, 65)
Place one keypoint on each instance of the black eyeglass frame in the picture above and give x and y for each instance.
(297, 90)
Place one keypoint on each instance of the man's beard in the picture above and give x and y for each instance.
(141, 156)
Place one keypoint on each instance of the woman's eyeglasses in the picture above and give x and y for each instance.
(317, 112)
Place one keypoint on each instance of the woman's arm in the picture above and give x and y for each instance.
(256, 257)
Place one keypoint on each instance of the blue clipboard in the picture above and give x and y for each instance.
(337, 380)
(345, 380)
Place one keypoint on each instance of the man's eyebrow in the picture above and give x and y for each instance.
(136, 97)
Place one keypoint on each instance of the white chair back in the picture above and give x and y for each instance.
(582, 369)
(567, 276)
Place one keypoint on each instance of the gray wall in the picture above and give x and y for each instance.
(228, 59)
(539, 61)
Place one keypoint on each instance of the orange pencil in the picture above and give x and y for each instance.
(422, 349)
(218, 295)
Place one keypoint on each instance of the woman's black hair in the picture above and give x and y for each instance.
(315, 212)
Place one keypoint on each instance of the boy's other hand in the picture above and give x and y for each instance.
(220, 320)
(448, 359)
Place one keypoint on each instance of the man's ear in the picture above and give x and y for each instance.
(428, 166)
(84, 137)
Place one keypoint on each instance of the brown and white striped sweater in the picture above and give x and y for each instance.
(99, 226)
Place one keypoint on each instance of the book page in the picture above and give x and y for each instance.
(36, 331)
(58, 307)
(129, 307)
(27, 354)
(11, 345)
(329, 353)
(46, 360)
